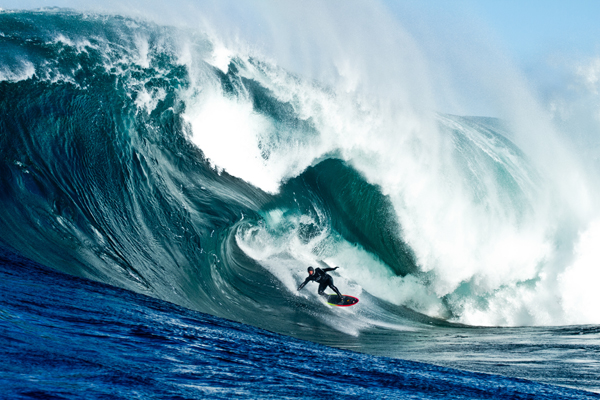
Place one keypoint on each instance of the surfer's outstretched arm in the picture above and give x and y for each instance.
(330, 269)
(304, 283)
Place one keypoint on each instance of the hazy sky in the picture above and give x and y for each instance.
(527, 28)
(531, 27)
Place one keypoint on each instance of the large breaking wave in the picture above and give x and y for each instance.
(158, 160)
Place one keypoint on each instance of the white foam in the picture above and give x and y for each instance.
(229, 133)
(143, 47)
(149, 100)
(25, 70)
(578, 284)
(79, 44)
(220, 58)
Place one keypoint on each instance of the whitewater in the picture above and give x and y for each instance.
(208, 164)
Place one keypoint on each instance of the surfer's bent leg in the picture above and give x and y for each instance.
(322, 287)
(328, 282)
(335, 289)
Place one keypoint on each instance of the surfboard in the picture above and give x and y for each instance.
(346, 301)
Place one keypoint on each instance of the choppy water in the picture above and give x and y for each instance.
(64, 337)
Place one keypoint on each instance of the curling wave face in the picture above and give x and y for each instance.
(157, 160)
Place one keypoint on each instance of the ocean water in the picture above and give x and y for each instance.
(184, 185)
(66, 338)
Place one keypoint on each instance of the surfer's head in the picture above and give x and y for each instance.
(311, 270)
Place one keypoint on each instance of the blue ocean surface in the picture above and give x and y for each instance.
(69, 338)
(164, 188)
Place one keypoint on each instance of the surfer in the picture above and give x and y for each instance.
(323, 278)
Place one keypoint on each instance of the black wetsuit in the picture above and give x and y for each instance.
(324, 280)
